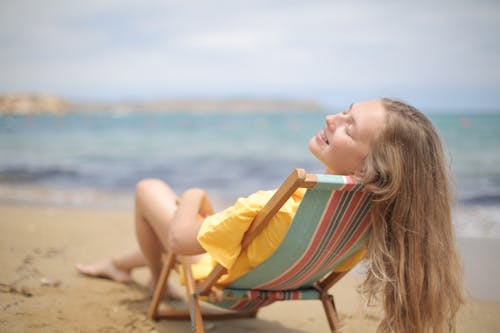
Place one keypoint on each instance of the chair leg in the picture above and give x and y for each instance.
(193, 302)
(331, 313)
(168, 263)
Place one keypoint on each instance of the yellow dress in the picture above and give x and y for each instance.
(221, 235)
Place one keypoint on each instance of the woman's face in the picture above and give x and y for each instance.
(348, 137)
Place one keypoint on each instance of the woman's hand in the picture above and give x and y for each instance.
(205, 207)
(197, 196)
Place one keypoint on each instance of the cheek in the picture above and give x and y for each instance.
(341, 143)
(344, 151)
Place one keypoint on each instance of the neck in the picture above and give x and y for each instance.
(329, 171)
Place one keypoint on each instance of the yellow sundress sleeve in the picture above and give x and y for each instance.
(221, 234)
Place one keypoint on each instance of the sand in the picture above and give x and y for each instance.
(40, 291)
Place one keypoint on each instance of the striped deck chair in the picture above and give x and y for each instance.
(329, 226)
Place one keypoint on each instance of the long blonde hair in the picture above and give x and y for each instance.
(413, 262)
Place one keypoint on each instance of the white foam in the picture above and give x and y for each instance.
(79, 198)
(477, 221)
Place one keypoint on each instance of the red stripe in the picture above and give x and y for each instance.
(329, 211)
(243, 305)
(350, 183)
(343, 225)
(354, 239)
(346, 218)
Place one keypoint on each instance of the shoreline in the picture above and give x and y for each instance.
(471, 220)
(39, 246)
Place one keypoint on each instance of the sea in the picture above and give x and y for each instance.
(94, 160)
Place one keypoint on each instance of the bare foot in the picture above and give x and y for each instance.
(105, 269)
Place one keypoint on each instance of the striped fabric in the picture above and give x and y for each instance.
(250, 300)
(244, 305)
(309, 293)
(327, 229)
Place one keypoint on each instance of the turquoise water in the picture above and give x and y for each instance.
(229, 155)
(473, 145)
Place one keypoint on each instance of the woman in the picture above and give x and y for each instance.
(395, 151)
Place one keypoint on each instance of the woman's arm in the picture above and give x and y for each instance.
(193, 204)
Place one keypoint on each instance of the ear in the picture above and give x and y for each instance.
(361, 172)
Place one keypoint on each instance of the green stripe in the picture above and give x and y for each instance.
(295, 243)
(297, 240)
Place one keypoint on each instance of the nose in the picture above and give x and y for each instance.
(331, 121)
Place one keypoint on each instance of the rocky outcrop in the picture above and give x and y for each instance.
(22, 104)
(32, 103)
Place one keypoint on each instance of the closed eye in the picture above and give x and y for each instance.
(349, 109)
(348, 129)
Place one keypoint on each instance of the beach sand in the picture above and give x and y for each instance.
(40, 290)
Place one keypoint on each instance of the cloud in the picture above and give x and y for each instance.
(118, 49)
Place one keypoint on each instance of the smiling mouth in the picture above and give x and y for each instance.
(324, 138)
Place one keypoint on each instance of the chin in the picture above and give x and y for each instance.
(312, 145)
(313, 151)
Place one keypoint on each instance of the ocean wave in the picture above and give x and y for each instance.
(74, 158)
(477, 221)
(16, 175)
(82, 198)
(482, 200)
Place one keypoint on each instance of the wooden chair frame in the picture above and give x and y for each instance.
(197, 291)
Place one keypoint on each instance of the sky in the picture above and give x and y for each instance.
(440, 55)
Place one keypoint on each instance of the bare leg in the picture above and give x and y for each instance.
(155, 206)
(155, 209)
(117, 269)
